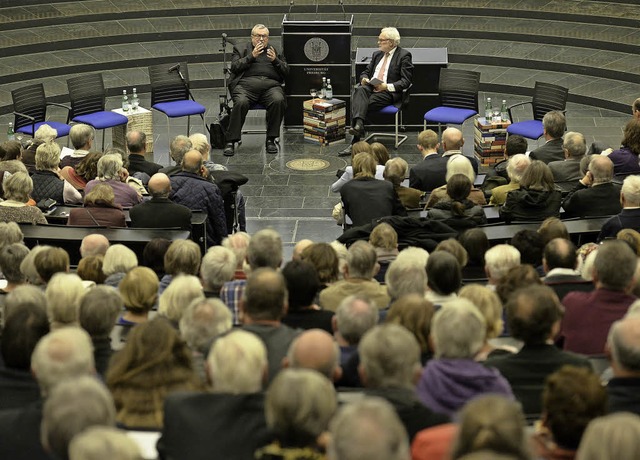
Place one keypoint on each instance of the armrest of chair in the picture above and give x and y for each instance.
(28, 117)
(517, 105)
(60, 105)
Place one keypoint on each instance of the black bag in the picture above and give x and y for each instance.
(218, 131)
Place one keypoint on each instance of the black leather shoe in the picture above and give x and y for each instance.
(345, 152)
(271, 146)
(229, 150)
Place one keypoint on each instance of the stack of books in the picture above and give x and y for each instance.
(490, 140)
(324, 121)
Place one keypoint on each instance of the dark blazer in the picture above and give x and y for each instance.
(95, 216)
(137, 163)
(550, 151)
(20, 433)
(527, 370)
(429, 173)
(160, 213)
(598, 200)
(414, 415)
(400, 70)
(210, 426)
(566, 170)
(367, 198)
(242, 59)
(17, 388)
(628, 218)
(624, 395)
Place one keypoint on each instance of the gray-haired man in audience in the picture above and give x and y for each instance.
(623, 347)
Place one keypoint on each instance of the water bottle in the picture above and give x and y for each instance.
(488, 110)
(504, 112)
(125, 101)
(329, 92)
(11, 136)
(135, 102)
(323, 90)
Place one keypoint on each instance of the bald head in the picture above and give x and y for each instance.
(192, 161)
(299, 247)
(452, 139)
(159, 185)
(93, 245)
(315, 349)
(601, 168)
(136, 142)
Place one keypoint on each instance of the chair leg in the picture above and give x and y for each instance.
(103, 136)
(188, 124)
(397, 130)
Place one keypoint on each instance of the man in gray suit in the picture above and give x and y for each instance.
(554, 125)
(566, 173)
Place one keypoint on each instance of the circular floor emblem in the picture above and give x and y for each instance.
(307, 164)
(316, 49)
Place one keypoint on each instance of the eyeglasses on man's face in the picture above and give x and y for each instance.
(260, 36)
(382, 40)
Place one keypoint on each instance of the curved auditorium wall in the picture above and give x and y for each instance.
(592, 47)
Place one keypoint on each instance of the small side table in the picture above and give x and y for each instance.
(139, 120)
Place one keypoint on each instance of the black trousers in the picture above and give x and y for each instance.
(261, 90)
(364, 99)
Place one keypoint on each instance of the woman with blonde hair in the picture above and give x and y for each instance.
(457, 164)
(178, 295)
(493, 423)
(118, 261)
(99, 209)
(17, 190)
(139, 292)
(415, 313)
(348, 174)
(395, 171)
(536, 199)
(365, 198)
(490, 306)
(154, 362)
(612, 437)
(64, 293)
(47, 183)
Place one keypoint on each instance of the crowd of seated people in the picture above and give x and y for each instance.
(440, 355)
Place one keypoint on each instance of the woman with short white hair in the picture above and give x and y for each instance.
(47, 183)
(17, 190)
(112, 172)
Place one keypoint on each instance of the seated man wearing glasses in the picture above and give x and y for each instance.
(257, 74)
(381, 84)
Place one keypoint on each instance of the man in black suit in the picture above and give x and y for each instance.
(393, 67)
(160, 211)
(258, 72)
(137, 146)
(559, 261)
(595, 194)
(427, 174)
(629, 216)
(228, 422)
(533, 315)
(554, 124)
(566, 173)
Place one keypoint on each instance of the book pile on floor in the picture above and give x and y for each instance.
(324, 121)
(490, 140)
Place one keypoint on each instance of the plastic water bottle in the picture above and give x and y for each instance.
(504, 112)
(125, 101)
(135, 102)
(329, 92)
(323, 90)
(488, 110)
(11, 135)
